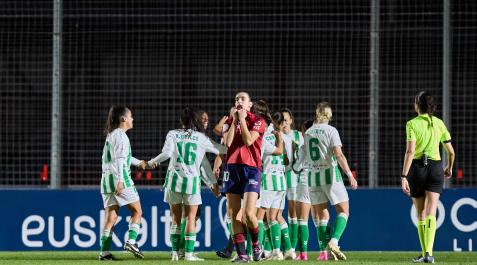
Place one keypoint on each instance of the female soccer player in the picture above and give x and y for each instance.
(243, 136)
(203, 120)
(322, 150)
(273, 191)
(303, 204)
(185, 148)
(292, 139)
(117, 187)
(422, 174)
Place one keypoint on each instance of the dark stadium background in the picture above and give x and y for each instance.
(160, 56)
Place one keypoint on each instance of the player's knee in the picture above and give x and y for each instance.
(249, 215)
(136, 213)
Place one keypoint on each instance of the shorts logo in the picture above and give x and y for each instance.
(252, 182)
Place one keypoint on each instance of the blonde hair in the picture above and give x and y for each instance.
(323, 112)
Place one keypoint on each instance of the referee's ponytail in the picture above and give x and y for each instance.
(426, 103)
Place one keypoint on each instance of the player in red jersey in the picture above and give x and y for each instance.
(243, 133)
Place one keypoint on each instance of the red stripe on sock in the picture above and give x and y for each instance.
(239, 238)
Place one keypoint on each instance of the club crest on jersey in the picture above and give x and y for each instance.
(257, 125)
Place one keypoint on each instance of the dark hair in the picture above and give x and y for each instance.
(260, 107)
(200, 113)
(426, 103)
(306, 125)
(242, 91)
(190, 120)
(287, 110)
(114, 118)
(277, 119)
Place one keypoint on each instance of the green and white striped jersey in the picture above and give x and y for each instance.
(116, 161)
(317, 154)
(292, 143)
(186, 150)
(273, 166)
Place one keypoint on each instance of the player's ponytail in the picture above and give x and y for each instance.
(114, 118)
(260, 107)
(190, 120)
(323, 112)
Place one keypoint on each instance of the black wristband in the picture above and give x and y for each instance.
(403, 176)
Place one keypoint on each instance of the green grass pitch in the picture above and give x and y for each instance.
(89, 258)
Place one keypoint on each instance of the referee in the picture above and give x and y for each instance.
(422, 173)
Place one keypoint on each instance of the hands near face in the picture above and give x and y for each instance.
(242, 114)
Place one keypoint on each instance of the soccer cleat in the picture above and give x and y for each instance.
(224, 254)
(234, 256)
(241, 259)
(323, 256)
(290, 254)
(303, 256)
(277, 255)
(428, 258)
(174, 256)
(107, 257)
(181, 253)
(257, 254)
(331, 255)
(133, 249)
(192, 257)
(418, 259)
(335, 250)
(299, 256)
(266, 254)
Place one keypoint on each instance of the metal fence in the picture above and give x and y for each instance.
(159, 56)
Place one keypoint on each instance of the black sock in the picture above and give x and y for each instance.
(230, 245)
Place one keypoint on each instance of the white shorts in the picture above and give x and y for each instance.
(173, 197)
(273, 199)
(302, 193)
(291, 194)
(334, 193)
(127, 196)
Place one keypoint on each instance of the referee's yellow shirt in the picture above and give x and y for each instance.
(427, 137)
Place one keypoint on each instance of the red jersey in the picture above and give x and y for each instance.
(239, 152)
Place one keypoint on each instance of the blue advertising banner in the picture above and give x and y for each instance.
(382, 219)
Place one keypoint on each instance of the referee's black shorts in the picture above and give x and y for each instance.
(425, 178)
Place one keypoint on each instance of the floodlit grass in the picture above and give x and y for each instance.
(83, 257)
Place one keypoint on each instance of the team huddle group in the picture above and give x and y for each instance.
(264, 163)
